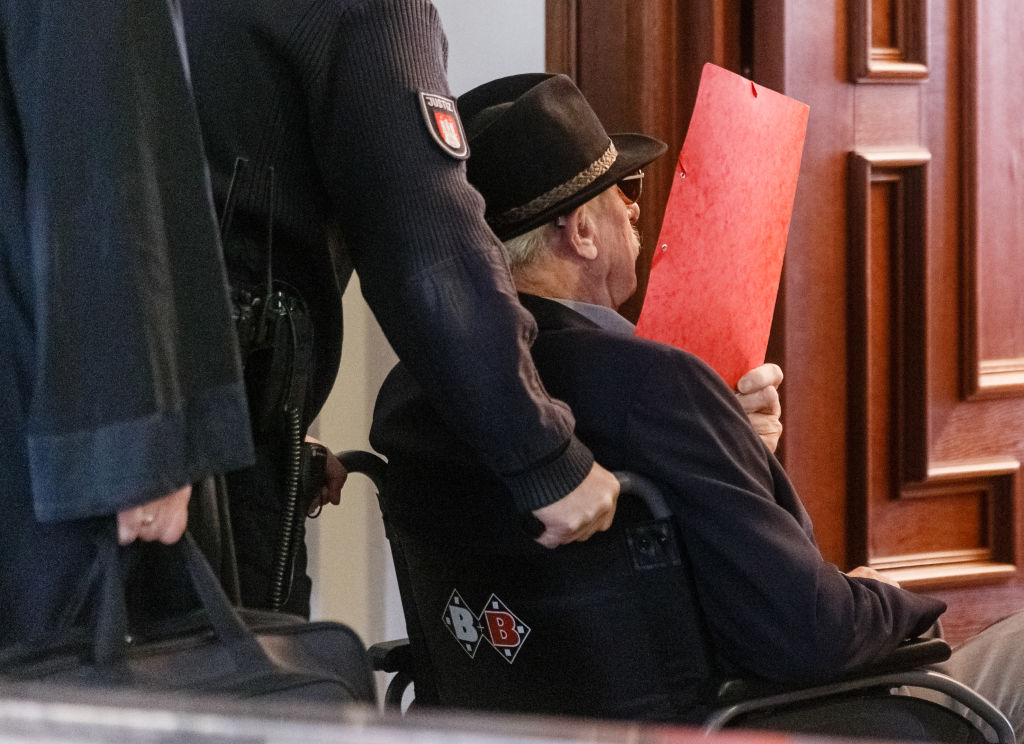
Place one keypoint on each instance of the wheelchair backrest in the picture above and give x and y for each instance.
(607, 627)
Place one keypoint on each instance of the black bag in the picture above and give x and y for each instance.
(215, 650)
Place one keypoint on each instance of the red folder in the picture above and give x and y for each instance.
(717, 264)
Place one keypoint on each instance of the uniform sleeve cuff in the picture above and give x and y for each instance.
(547, 483)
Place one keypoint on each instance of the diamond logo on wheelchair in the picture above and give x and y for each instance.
(495, 623)
(462, 623)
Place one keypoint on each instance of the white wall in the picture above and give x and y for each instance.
(349, 560)
(491, 38)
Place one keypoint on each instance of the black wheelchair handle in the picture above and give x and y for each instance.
(643, 488)
(369, 464)
(630, 485)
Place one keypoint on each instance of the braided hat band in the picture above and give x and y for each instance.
(558, 194)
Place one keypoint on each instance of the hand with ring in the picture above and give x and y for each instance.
(163, 519)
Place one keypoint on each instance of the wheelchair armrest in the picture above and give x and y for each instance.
(394, 656)
(911, 654)
(391, 656)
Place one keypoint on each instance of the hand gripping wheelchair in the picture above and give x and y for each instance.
(608, 628)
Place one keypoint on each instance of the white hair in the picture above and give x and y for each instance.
(525, 249)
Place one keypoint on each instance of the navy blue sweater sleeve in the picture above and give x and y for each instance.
(432, 272)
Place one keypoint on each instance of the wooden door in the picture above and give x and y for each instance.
(900, 323)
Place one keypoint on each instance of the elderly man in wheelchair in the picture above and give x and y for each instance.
(716, 576)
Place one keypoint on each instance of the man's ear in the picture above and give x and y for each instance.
(578, 234)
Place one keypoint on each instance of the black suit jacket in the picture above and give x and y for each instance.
(773, 606)
(118, 366)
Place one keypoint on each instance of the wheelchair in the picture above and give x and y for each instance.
(606, 629)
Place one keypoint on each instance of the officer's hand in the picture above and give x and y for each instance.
(759, 396)
(162, 519)
(581, 513)
(335, 476)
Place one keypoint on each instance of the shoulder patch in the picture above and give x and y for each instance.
(444, 125)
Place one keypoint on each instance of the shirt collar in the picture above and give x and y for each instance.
(604, 316)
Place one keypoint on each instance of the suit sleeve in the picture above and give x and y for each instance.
(432, 272)
(135, 381)
(774, 605)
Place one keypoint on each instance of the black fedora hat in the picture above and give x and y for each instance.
(537, 150)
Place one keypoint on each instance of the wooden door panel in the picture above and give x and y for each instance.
(932, 487)
(994, 208)
(900, 321)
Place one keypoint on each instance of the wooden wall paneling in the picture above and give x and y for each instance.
(897, 495)
(984, 422)
(907, 281)
(993, 218)
(942, 511)
(887, 254)
(976, 427)
(964, 535)
(889, 40)
(562, 36)
(928, 484)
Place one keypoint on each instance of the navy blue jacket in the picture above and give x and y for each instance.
(119, 375)
(773, 606)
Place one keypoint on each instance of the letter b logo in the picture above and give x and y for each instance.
(463, 624)
(501, 627)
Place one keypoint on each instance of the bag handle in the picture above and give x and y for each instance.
(110, 642)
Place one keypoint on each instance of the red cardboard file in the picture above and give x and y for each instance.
(717, 264)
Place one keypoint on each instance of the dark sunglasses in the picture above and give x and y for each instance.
(631, 187)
